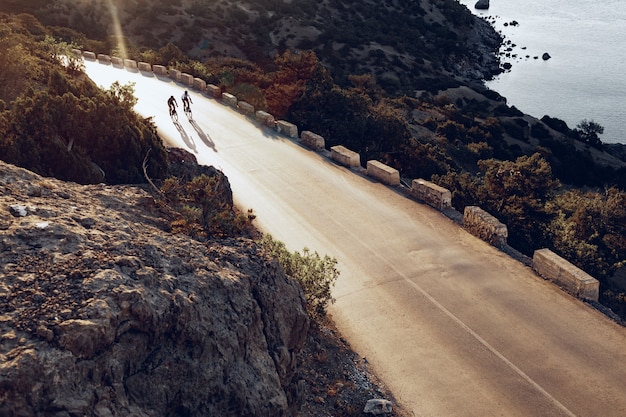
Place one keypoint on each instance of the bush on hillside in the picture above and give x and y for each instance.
(204, 206)
(316, 274)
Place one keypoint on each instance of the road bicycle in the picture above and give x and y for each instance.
(187, 110)
(173, 114)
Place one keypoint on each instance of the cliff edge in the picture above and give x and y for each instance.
(104, 312)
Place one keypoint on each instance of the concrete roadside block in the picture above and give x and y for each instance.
(104, 59)
(186, 79)
(485, 226)
(287, 128)
(345, 156)
(214, 91)
(383, 173)
(117, 61)
(312, 140)
(159, 70)
(245, 108)
(265, 118)
(174, 74)
(144, 66)
(434, 195)
(130, 63)
(566, 275)
(89, 55)
(229, 99)
(199, 84)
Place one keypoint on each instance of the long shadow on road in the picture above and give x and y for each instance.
(186, 138)
(203, 136)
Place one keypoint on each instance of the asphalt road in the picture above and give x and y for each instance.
(451, 325)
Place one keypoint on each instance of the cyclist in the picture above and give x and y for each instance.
(172, 104)
(186, 99)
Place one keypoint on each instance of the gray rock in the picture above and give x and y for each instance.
(18, 210)
(482, 4)
(378, 407)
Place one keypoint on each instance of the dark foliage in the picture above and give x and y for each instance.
(58, 123)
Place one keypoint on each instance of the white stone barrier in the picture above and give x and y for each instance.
(130, 63)
(265, 118)
(117, 61)
(383, 173)
(174, 74)
(159, 70)
(566, 275)
(245, 108)
(432, 194)
(186, 79)
(483, 225)
(77, 52)
(312, 140)
(229, 99)
(214, 91)
(144, 66)
(287, 128)
(89, 55)
(199, 84)
(345, 156)
(104, 58)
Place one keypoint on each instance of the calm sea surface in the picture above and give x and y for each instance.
(586, 76)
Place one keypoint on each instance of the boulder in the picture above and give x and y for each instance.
(482, 4)
(545, 56)
(378, 407)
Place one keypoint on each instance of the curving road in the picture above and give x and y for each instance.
(451, 325)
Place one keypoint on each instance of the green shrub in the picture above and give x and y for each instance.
(205, 209)
(316, 274)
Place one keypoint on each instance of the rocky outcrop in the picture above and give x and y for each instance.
(103, 312)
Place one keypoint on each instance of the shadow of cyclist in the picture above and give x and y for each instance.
(186, 138)
(203, 136)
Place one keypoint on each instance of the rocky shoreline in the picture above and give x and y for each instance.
(487, 63)
(495, 56)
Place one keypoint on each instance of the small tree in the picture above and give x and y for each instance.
(62, 53)
(316, 274)
(587, 131)
(516, 192)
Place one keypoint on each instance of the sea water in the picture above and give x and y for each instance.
(585, 78)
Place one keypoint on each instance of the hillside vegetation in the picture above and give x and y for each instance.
(407, 44)
(554, 186)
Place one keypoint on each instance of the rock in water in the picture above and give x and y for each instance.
(545, 56)
(482, 4)
(106, 313)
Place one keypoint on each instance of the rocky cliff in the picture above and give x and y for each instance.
(103, 312)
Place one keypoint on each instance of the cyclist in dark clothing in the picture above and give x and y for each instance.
(172, 104)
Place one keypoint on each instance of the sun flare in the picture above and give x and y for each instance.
(117, 30)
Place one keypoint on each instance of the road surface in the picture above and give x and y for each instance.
(451, 325)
